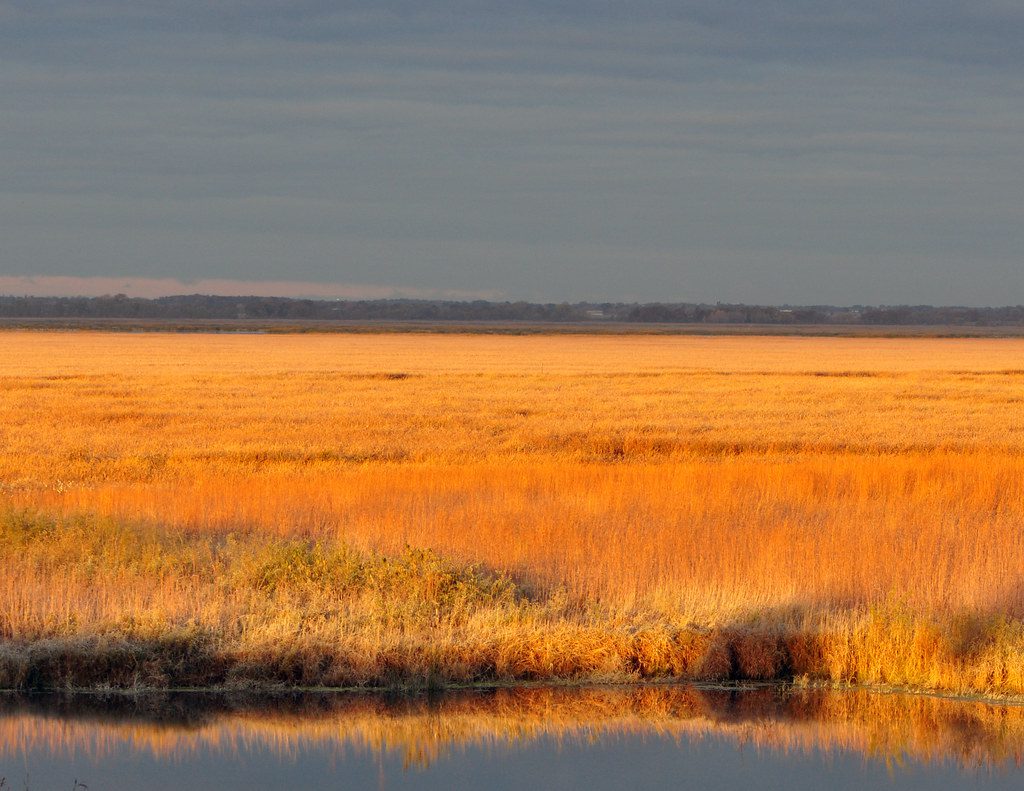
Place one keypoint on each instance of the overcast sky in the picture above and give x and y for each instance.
(786, 151)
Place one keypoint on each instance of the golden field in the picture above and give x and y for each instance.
(186, 510)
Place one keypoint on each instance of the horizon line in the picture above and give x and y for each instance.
(91, 287)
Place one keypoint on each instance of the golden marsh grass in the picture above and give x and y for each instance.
(846, 509)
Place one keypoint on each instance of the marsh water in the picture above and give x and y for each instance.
(537, 738)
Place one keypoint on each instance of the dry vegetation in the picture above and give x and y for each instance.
(194, 510)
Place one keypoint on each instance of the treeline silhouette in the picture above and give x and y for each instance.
(200, 306)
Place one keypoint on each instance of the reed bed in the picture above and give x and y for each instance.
(841, 509)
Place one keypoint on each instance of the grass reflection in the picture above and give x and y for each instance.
(423, 729)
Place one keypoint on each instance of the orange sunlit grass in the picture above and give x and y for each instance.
(855, 504)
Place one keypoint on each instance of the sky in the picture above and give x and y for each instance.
(760, 151)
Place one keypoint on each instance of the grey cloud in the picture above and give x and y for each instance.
(690, 150)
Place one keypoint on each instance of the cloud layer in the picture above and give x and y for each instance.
(693, 150)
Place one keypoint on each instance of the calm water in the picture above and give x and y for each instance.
(656, 737)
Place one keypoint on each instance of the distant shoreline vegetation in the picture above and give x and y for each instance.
(204, 307)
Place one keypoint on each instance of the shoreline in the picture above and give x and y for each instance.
(271, 692)
(419, 685)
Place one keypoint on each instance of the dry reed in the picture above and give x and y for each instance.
(848, 509)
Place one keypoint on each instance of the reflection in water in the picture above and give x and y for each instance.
(418, 731)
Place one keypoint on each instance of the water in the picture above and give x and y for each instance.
(541, 738)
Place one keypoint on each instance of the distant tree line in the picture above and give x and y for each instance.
(199, 306)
